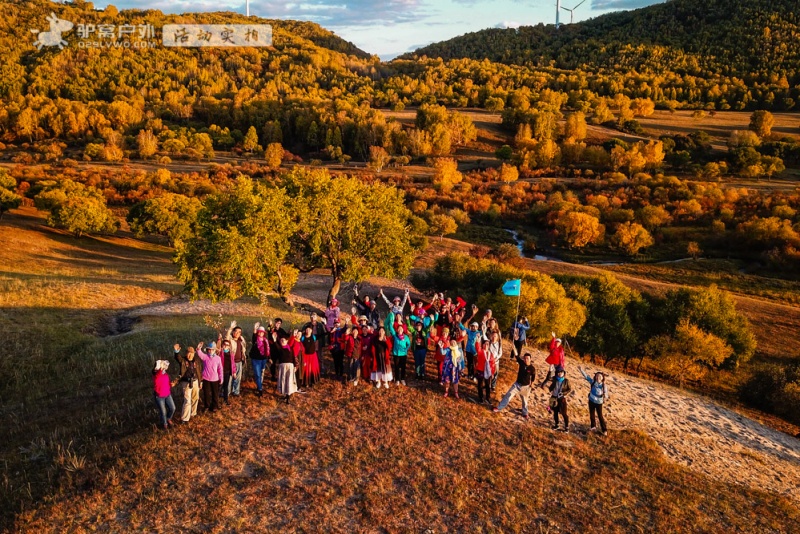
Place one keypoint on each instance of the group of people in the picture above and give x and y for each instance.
(366, 345)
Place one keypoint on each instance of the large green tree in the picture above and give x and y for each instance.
(241, 244)
(355, 229)
(171, 215)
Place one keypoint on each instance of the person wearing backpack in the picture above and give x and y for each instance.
(598, 393)
(559, 389)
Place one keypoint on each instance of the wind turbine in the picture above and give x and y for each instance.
(558, 13)
(571, 12)
(247, 2)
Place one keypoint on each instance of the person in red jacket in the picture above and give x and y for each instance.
(555, 358)
(352, 363)
(366, 338)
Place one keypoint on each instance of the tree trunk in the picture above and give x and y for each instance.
(337, 283)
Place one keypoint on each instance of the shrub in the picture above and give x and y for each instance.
(775, 389)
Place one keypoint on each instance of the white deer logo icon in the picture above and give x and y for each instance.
(53, 37)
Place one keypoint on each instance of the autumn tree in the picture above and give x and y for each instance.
(446, 174)
(83, 215)
(9, 199)
(632, 237)
(689, 353)
(274, 155)
(579, 229)
(378, 158)
(250, 142)
(575, 127)
(761, 122)
(146, 143)
(369, 235)
(615, 315)
(240, 246)
(170, 215)
(508, 173)
(442, 224)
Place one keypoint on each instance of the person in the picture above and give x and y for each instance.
(419, 345)
(274, 338)
(259, 356)
(559, 388)
(228, 368)
(598, 394)
(287, 383)
(471, 349)
(453, 365)
(366, 337)
(381, 359)
(496, 353)
(310, 357)
(332, 313)
(400, 345)
(352, 353)
(319, 332)
(442, 343)
(239, 351)
(485, 370)
(213, 377)
(337, 334)
(396, 307)
(520, 333)
(555, 359)
(162, 393)
(522, 386)
(367, 308)
(190, 379)
(296, 346)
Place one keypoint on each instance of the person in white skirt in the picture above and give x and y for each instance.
(287, 384)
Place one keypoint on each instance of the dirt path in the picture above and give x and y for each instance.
(692, 430)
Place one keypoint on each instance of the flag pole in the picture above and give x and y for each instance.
(516, 317)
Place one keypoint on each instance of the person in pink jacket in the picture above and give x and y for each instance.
(213, 377)
(162, 393)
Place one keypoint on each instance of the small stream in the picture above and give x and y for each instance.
(518, 241)
(521, 246)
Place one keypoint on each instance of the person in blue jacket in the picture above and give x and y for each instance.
(520, 333)
(598, 394)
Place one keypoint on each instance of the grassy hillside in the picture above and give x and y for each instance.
(752, 39)
(81, 451)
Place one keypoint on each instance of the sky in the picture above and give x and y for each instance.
(389, 28)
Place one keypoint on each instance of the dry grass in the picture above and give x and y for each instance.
(360, 460)
(81, 453)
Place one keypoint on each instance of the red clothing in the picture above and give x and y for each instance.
(556, 356)
(387, 356)
(161, 384)
(366, 356)
(348, 345)
(296, 349)
(480, 363)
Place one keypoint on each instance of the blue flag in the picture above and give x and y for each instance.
(512, 288)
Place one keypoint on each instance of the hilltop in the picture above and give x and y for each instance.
(750, 39)
(348, 458)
